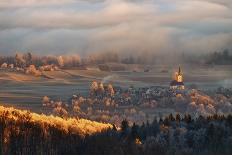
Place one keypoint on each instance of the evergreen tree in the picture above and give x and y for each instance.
(124, 128)
(134, 131)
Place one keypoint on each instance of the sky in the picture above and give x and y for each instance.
(134, 26)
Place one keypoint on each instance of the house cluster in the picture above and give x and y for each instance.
(30, 69)
(138, 96)
(5, 65)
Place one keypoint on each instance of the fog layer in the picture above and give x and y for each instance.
(76, 26)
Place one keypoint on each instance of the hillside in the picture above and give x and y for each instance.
(76, 126)
(24, 132)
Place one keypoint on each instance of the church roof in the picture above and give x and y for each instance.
(175, 83)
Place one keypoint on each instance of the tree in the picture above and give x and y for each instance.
(134, 131)
(171, 118)
(166, 121)
(225, 54)
(178, 118)
(155, 127)
(124, 128)
(60, 61)
(93, 88)
(28, 59)
(187, 118)
(114, 128)
(19, 61)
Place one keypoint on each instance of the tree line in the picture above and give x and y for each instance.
(223, 57)
(173, 134)
(23, 60)
(220, 58)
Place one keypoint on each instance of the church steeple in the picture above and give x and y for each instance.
(179, 72)
(179, 76)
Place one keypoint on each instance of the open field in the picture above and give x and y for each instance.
(26, 91)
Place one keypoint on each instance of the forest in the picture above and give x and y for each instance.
(23, 132)
(220, 58)
(23, 60)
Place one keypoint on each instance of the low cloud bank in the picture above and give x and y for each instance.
(122, 26)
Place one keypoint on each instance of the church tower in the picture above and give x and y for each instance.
(179, 76)
(178, 83)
